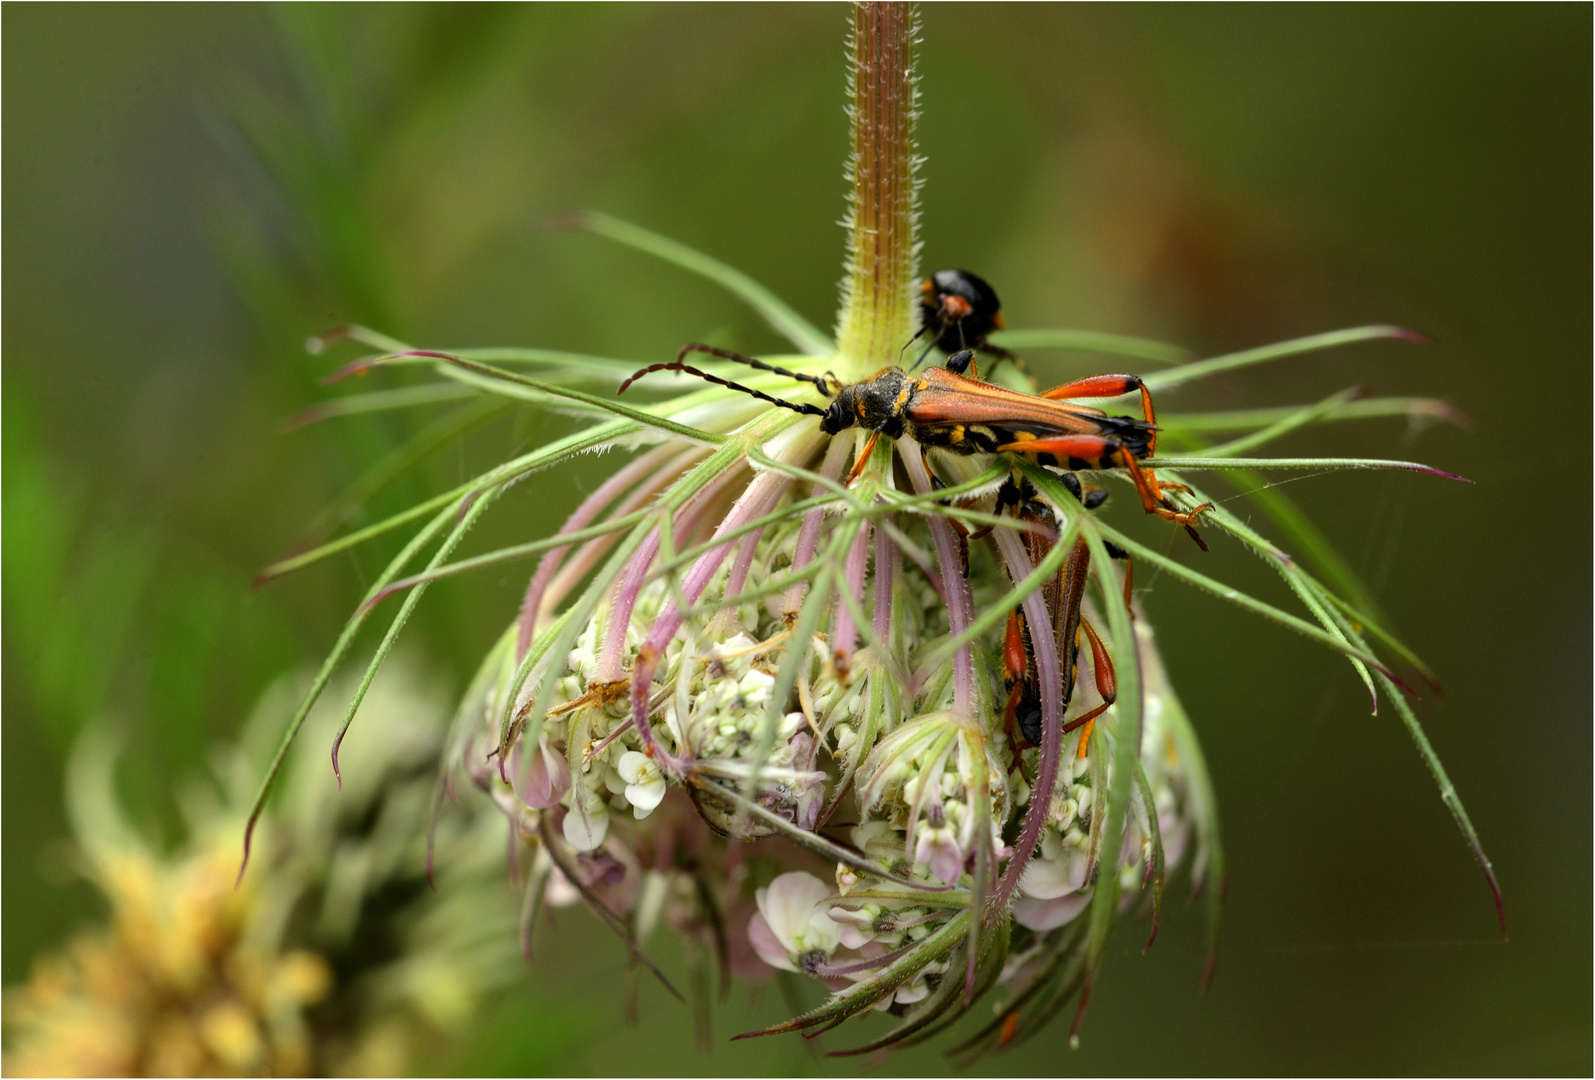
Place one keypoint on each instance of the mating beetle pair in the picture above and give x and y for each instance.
(945, 407)
(942, 407)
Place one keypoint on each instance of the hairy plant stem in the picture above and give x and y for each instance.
(883, 214)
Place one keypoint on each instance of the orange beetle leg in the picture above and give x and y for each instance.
(1152, 500)
(1095, 386)
(863, 458)
(1101, 386)
(1015, 663)
(1097, 448)
(1107, 685)
(1015, 659)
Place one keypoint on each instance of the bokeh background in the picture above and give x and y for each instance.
(191, 191)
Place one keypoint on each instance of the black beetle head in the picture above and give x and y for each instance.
(838, 415)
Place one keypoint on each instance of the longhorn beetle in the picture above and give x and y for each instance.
(941, 407)
(1063, 595)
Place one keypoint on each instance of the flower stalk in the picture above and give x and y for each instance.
(883, 210)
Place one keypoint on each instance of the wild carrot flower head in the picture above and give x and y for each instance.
(843, 665)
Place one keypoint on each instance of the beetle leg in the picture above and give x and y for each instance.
(998, 353)
(1015, 666)
(1146, 483)
(1154, 502)
(863, 458)
(1107, 684)
(1098, 447)
(1104, 386)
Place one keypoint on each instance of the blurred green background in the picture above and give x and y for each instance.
(191, 191)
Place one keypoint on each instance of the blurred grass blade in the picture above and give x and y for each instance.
(1087, 341)
(569, 363)
(1449, 796)
(1306, 538)
(511, 392)
(1294, 576)
(508, 554)
(1168, 380)
(1319, 464)
(1235, 596)
(453, 756)
(329, 665)
(441, 432)
(1148, 822)
(1207, 870)
(406, 397)
(478, 507)
(1414, 408)
(786, 322)
(608, 405)
(363, 335)
(1310, 414)
(560, 450)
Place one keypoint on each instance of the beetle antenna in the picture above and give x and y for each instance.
(802, 407)
(924, 354)
(826, 387)
(909, 342)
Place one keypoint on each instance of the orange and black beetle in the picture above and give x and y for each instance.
(942, 408)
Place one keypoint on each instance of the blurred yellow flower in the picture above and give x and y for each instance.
(173, 987)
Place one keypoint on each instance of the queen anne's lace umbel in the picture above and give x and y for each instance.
(762, 689)
(764, 721)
